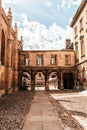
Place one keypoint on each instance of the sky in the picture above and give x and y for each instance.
(44, 24)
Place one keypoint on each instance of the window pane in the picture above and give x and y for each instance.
(40, 60)
(53, 59)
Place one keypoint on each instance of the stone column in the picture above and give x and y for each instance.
(62, 87)
(8, 71)
(16, 58)
(32, 81)
(46, 81)
(58, 77)
(15, 69)
(75, 80)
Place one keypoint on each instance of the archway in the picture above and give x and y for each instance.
(39, 81)
(25, 83)
(68, 81)
(53, 81)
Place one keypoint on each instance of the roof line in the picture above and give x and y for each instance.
(78, 12)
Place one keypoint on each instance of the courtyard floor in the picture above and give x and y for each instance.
(43, 110)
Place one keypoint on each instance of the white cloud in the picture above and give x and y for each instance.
(74, 3)
(8, 2)
(20, 2)
(63, 3)
(69, 3)
(48, 3)
(70, 20)
(56, 10)
(38, 36)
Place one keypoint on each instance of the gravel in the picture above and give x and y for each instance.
(65, 115)
(13, 109)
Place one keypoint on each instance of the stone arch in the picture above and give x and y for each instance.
(53, 80)
(24, 81)
(39, 80)
(3, 48)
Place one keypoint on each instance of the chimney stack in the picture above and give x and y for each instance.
(68, 42)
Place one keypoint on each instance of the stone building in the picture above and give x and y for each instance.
(9, 47)
(43, 68)
(21, 69)
(79, 25)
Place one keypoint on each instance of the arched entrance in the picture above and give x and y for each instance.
(53, 81)
(25, 83)
(68, 81)
(39, 81)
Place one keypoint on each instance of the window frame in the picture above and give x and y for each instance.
(39, 59)
(53, 59)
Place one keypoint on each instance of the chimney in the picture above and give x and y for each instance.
(68, 42)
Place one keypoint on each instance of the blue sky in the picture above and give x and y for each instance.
(44, 24)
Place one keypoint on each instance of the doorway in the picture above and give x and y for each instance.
(68, 81)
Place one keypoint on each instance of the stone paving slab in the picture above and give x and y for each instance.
(42, 115)
(33, 125)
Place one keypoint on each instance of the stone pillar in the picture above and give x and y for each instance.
(16, 59)
(46, 81)
(62, 87)
(47, 85)
(58, 77)
(32, 84)
(15, 69)
(32, 81)
(8, 71)
(75, 79)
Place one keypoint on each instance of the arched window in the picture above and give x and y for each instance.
(3, 48)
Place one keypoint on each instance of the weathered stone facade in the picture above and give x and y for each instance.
(60, 63)
(9, 46)
(38, 66)
(79, 25)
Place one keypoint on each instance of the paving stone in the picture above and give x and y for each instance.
(41, 115)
